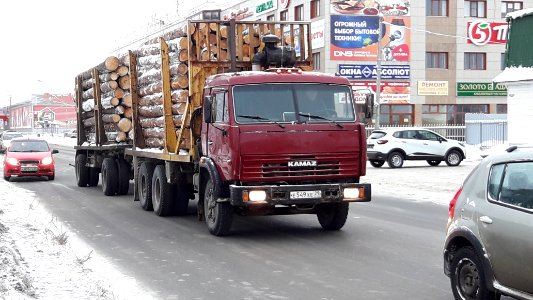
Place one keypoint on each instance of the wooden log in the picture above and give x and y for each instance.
(179, 82)
(223, 55)
(109, 102)
(88, 105)
(116, 93)
(88, 94)
(87, 84)
(110, 64)
(121, 136)
(154, 143)
(183, 55)
(87, 114)
(151, 89)
(148, 78)
(154, 132)
(89, 122)
(111, 127)
(111, 76)
(206, 55)
(124, 82)
(126, 100)
(149, 61)
(159, 121)
(123, 70)
(179, 68)
(111, 136)
(179, 43)
(180, 96)
(119, 110)
(153, 99)
(128, 113)
(223, 44)
(223, 32)
(108, 86)
(151, 111)
(131, 134)
(147, 50)
(108, 118)
(124, 124)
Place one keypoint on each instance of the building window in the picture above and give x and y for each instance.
(396, 114)
(453, 114)
(283, 15)
(475, 61)
(510, 6)
(476, 9)
(503, 60)
(299, 13)
(271, 18)
(315, 8)
(437, 60)
(501, 108)
(316, 61)
(437, 8)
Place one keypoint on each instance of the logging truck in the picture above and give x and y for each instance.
(227, 113)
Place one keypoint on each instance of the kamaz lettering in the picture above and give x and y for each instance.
(304, 163)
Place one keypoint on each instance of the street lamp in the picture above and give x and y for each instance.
(378, 68)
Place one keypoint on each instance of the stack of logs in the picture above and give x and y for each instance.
(115, 98)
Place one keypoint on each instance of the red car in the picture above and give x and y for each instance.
(29, 157)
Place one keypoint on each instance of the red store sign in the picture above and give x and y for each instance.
(481, 33)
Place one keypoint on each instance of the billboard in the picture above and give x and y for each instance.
(317, 34)
(370, 71)
(432, 88)
(472, 89)
(371, 7)
(481, 33)
(356, 38)
(391, 92)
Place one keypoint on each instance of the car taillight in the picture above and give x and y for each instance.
(381, 142)
(451, 210)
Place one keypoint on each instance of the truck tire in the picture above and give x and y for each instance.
(218, 215)
(109, 177)
(162, 192)
(332, 216)
(82, 171)
(146, 172)
(182, 198)
(123, 176)
(94, 176)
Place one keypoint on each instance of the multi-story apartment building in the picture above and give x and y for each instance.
(438, 57)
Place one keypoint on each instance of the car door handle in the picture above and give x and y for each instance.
(485, 219)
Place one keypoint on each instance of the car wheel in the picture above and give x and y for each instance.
(109, 177)
(6, 178)
(94, 176)
(395, 160)
(377, 163)
(434, 163)
(123, 177)
(218, 215)
(146, 172)
(468, 277)
(52, 177)
(82, 171)
(162, 192)
(332, 216)
(453, 158)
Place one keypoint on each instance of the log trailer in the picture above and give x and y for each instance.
(260, 134)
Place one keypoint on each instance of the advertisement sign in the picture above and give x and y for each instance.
(371, 7)
(317, 34)
(433, 88)
(356, 37)
(284, 4)
(481, 33)
(470, 89)
(241, 13)
(265, 6)
(370, 71)
(391, 92)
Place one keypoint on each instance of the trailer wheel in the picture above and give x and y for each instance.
(218, 215)
(332, 216)
(123, 176)
(162, 192)
(109, 177)
(146, 172)
(94, 176)
(82, 171)
(182, 198)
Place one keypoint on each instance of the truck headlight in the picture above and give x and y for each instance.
(353, 193)
(254, 196)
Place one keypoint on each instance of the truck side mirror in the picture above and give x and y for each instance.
(208, 109)
(369, 105)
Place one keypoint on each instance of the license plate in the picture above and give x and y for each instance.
(306, 194)
(29, 168)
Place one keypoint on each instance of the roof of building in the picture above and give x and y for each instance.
(519, 13)
(514, 74)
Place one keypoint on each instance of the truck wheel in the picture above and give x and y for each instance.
(433, 163)
(146, 172)
(109, 177)
(332, 216)
(162, 192)
(218, 215)
(94, 176)
(182, 198)
(123, 176)
(395, 160)
(82, 171)
(377, 163)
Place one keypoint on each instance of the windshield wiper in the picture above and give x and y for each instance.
(321, 118)
(260, 118)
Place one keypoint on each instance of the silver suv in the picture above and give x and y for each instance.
(489, 244)
(396, 145)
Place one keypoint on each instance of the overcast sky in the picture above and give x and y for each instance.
(46, 43)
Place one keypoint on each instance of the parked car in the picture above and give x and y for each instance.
(72, 133)
(6, 137)
(29, 157)
(489, 247)
(394, 146)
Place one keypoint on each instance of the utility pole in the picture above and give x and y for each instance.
(9, 120)
(378, 69)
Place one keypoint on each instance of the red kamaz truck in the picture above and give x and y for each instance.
(279, 140)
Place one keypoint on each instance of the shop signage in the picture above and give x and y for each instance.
(284, 3)
(263, 7)
(481, 33)
(433, 88)
(317, 34)
(370, 71)
(391, 92)
(472, 89)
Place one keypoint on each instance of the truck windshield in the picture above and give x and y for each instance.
(300, 103)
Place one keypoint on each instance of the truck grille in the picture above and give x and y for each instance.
(277, 168)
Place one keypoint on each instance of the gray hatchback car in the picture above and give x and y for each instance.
(489, 244)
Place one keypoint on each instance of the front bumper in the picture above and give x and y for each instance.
(17, 171)
(375, 155)
(281, 194)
